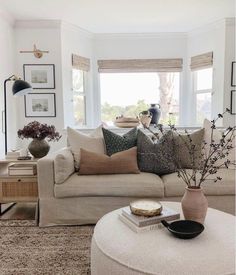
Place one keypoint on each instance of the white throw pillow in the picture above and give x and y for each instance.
(217, 135)
(93, 142)
(63, 165)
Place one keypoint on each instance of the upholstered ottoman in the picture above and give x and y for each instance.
(117, 250)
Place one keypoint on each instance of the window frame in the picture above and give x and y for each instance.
(196, 92)
(180, 118)
(84, 94)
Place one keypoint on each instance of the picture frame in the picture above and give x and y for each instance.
(233, 72)
(40, 105)
(233, 102)
(40, 76)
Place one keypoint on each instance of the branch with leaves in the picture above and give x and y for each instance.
(211, 159)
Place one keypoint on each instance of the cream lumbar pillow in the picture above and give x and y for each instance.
(63, 165)
(93, 142)
(217, 135)
(124, 162)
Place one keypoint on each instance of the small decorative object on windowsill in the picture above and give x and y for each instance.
(214, 155)
(126, 122)
(156, 113)
(39, 147)
(145, 118)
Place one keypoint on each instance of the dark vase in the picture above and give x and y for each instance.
(39, 148)
(156, 113)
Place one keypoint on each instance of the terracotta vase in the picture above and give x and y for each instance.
(39, 148)
(194, 204)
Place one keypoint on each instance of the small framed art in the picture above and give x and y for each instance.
(40, 76)
(40, 105)
(233, 72)
(233, 102)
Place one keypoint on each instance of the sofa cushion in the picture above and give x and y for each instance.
(77, 140)
(155, 157)
(217, 135)
(175, 186)
(63, 165)
(120, 185)
(124, 162)
(182, 146)
(116, 143)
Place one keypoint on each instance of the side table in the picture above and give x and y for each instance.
(15, 189)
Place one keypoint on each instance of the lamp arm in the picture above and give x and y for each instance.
(11, 78)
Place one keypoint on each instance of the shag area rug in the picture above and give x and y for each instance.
(26, 249)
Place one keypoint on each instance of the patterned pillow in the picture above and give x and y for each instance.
(155, 157)
(182, 146)
(116, 143)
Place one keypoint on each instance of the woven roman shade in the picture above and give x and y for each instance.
(201, 61)
(140, 65)
(80, 62)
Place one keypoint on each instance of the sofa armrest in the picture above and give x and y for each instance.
(46, 174)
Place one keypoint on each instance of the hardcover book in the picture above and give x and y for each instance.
(22, 169)
(141, 221)
(137, 229)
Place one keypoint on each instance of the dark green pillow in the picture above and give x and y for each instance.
(155, 157)
(116, 143)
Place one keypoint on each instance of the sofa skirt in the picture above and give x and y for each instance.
(88, 210)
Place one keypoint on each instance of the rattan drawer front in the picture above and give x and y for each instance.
(19, 188)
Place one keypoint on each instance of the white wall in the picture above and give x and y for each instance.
(229, 120)
(7, 69)
(47, 36)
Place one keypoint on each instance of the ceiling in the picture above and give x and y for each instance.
(124, 16)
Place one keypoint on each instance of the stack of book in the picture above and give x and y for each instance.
(12, 155)
(142, 224)
(22, 169)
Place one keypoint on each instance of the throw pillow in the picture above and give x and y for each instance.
(63, 165)
(155, 157)
(217, 135)
(181, 146)
(77, 140)
(124, 162)
(116, 143)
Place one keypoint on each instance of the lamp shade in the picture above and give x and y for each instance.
(21, 87)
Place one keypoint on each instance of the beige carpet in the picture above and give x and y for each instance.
(29, 250)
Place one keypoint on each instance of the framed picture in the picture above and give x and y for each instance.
(233, 102)
(233, 72)
(40, 105)
(40, 76)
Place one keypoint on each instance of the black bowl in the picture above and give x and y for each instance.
(184, 229)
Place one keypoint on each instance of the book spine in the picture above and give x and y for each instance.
(167, 218)
(153, 221)
(21, 168)
(21, 173)
(136, 229)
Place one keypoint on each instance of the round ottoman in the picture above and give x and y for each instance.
(117, 250)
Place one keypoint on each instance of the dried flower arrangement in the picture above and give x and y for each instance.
(214, 154)
(36, 130)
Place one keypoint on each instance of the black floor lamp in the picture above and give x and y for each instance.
(19, 88)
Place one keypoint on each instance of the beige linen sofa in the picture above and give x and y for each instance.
(84, 199)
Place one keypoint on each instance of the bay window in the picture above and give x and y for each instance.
(128, 87)
(128, 94)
